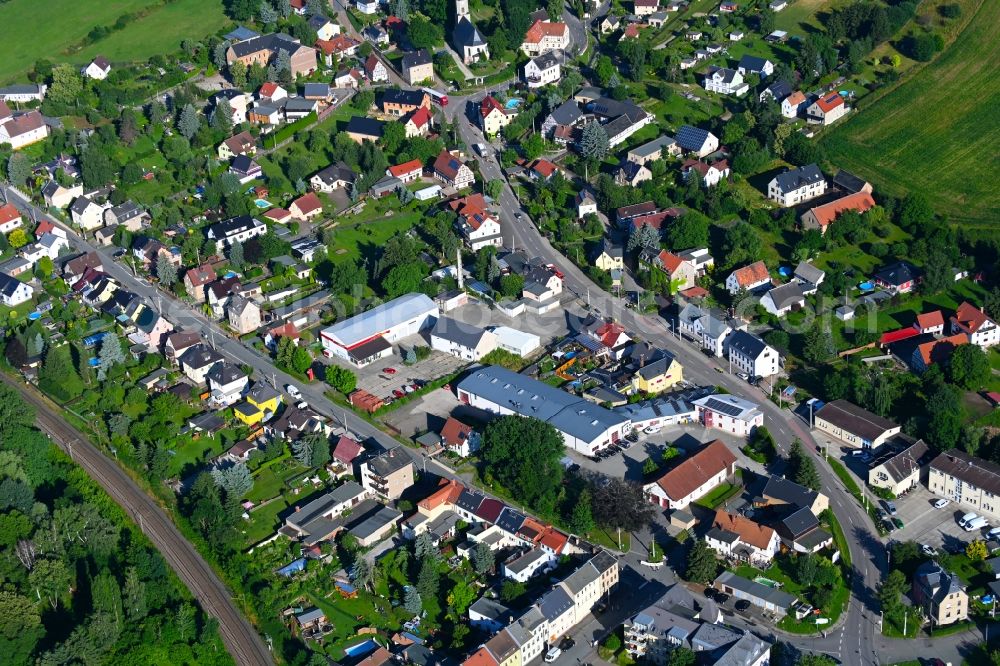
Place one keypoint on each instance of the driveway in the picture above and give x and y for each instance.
(925, 524)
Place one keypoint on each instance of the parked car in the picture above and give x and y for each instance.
(710, 592)
(721, 598)
(390, 371)
(941, 503)
(398, 393)
(744, 376)
(566, 643)
(927, 550)
(293, 391)
(890, 507)
(742, 605)
(898, 523)
(552, 655)
(967, 518)
(652, 430)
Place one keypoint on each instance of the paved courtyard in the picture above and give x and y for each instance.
(936, 527)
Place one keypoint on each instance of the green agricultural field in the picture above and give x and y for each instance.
(931, 133)
(55, 29)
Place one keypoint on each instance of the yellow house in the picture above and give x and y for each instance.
(659, 375)
(264, 398)
(247, 413)
(610, 257)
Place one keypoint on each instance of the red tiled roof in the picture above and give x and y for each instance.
(286, 330)
(481, 657)
(420, 117)
(827, 213)
(541, 29)
(830, 102)
(755, 534)
(752, 274)
(488, 105)
(44, 227)
(543, 167)
(468, 205)
(201, 275)
(268, 89)
(338, 44)
(490, 510)
(694, 292)
(24, 123)
(278, 214)
(454, 432)
(371, 63)
(631, 32)
(8, 213)
(969, 317)
(307, 203)
(447, 493)
(930, 320)
(346, 450)
(670, 261)
(405, 168)
(448, 165)
(654, 220)
(688, 476)
(554, 540)
(5, 111)
(939, 350)
(795, 98)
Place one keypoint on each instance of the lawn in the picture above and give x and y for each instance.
(719, 495)
(52, 29)
(363, 234)
(929, 131)
(782, 574)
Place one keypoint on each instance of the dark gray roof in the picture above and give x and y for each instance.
(510, 520)
(365, 126)
(848, 182)
(233, 225)
(466, 34)
(555, 603)
(389, 462)
(794, 179)
(752, 63)
(316, 89)
(546, 60)
(299, 105)
(273, 42)
(902, 464)
(337, 172)
(80, 205)
(240, 34)
(459, 332)
(470, 500)
(9, 285)
(491, 609)
(898, 273)
(936, 582)
(405, 97)
(20, 89)
(727, 74)
(800, 522)
(786, 295)
(855, 420)
(746, 344)
(416, 58)
(566, 113)
(789, 492)
(372, 521)
(692, 138)
(969, 469)
(809, 273)
(200, 356)
(225, 373)
(713, 636)
(779, 90)
(606, 107)
(755, 590)
(242, 164)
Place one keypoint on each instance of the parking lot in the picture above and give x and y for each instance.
(936, 527)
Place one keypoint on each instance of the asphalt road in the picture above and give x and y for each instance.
(241, 639)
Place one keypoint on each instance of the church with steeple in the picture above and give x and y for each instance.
(466, 37)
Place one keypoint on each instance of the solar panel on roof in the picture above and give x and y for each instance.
(719, 406)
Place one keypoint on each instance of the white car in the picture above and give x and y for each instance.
(927, 550)
(293, 391)
(552, 655)
(652, 430)
(967, 518)
(941, 503)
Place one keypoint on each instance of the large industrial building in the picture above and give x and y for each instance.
(368, 337)
(585, 427)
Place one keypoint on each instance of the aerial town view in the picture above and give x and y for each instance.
(499, 332)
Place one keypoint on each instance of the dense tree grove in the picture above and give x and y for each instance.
(81, 582)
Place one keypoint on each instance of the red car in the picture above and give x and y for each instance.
(398, 393)
(390, 371)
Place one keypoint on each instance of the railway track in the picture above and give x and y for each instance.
(241, 639)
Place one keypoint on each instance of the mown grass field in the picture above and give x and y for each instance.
(933, 133)
(51, 29)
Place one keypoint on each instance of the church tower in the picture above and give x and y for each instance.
(461, 9)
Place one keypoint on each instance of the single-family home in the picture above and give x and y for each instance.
(654, 150)
(632, 174)
(339, 46)
(820, 217)
(796, 186)
(938, 350)
(645, 7)
(698, 141)
(236, 229)
(751, 355)
(450, 170)
(324, 27)
(693, 478)
(930, 323)
(809, 277)
(306, 207)
(417, 66)
(57, 196)
(10, 218)
(97, 69)
(827, 109)
(782, 299)
(658, 374)
(22, 93)
(397, 102)
(777, 91)
(750, 278)
(333, 177)
(87, 214)
(900, 277)
(783, 493)
(459, 438)
(245, 169)
(609, 256)
(738, 538)
(465, 341)
(940, 595)
(228, 382)
(407, 172)
(542, 70)
(680, 273)
(726, 81)
(975, 323)
(197, 360)
(196, 279)
(736, 35)
(792, 105)
(708, 327)
(709, 174)
(349, 77)
(749, 64)
(388, 475)
(854, 425)
(375, 70)
(238, 144)
(364, 129)
(13, 292)
(586, 204)
(244, 315)
(271, 92)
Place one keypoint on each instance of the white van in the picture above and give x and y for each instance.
(967, 518)
(976, 523)
(552, 655)
(994, 533)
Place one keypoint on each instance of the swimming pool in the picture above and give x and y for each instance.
(361, 648)
(784, 271)
(767, 581)
(262, 203)
(512, 103)
(866, 286)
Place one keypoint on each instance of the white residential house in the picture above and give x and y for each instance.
(13, 292)
(545, 36)
(525, 566)
(586, 204)
(751, 355)
(792, 105)
(783, 299)
(237, 229)
(709, 328)
(86, 214)
(98, 69)
(465, 341)
(975, 323)
(10, 218)
(693, 478)
(729, 413)
(762, 67)
(796, 186)
(750, 278)
(827, 110)
(227, 383)
(542, 71)
(737, 537)
(726, 82)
